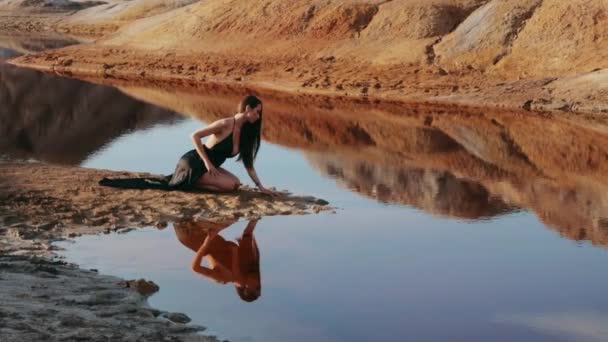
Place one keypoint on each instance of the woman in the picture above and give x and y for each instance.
(228, 262)
(201, 168)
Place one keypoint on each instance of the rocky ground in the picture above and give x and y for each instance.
(47, 300)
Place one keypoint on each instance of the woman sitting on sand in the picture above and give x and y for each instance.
(228, 262)
(201, 168)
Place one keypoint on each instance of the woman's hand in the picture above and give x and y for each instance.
(212, 171)
(256, 180)
(269, 192)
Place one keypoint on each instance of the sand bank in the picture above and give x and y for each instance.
(42, 202)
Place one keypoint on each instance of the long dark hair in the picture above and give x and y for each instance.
(249, 142)
(249, 264)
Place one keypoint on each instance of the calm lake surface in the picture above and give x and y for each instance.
(450, 226)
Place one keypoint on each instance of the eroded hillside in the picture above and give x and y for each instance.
(535, 54)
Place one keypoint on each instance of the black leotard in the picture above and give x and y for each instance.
(190, 167)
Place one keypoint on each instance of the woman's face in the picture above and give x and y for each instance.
(253, 115)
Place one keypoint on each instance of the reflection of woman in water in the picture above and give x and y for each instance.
(201, 167)
(228, 262)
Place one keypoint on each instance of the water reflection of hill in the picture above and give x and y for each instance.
(437, 192)
(459, 162)
(63, 120)
(22, 44)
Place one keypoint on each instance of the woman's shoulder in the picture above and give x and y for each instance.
(220, 122)
(224, 123)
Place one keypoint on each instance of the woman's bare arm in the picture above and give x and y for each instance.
(219, 273)
(202, 251)
(254, 177)
(214, 128)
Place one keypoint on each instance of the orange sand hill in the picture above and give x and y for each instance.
(525, 53)
(91, 18)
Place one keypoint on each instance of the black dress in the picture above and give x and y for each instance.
(189, 169)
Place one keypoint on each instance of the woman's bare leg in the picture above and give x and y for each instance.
(230, 175)
(220, 183)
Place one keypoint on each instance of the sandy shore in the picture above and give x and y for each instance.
(317, 77)
(42, 203)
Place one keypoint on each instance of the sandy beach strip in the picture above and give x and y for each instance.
(47, 201)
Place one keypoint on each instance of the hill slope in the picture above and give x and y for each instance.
(475, 51)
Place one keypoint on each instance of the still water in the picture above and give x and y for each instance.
(460, 226)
